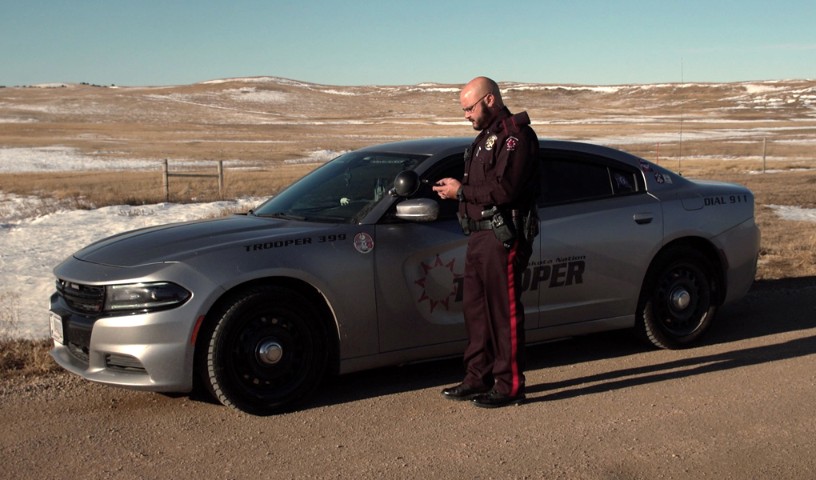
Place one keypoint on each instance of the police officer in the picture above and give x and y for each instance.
(497, 210)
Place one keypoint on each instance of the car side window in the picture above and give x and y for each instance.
(623, 182)
(451, 167)
(568, 177)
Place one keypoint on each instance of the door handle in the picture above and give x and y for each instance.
(643, 218)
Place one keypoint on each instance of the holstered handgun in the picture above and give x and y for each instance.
(464, 222)
(502, 224)
(529, 224)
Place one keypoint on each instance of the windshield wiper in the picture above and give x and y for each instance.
(283, 215)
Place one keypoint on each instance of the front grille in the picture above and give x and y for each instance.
(127, 363)
(79, 352)
(82, 298)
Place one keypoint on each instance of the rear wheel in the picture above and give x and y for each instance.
(678, 300)
(267, 351)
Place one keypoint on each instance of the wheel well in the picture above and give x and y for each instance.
(707, 250)
(313, 296)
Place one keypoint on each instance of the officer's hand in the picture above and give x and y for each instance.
(447, 187)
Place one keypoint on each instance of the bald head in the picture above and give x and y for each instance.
(481, 101)
(478, 88)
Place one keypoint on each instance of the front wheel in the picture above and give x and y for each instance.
(268, 350)
(678, 301)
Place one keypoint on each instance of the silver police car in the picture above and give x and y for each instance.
(358, 265)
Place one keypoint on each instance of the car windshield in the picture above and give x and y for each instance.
(343, 190)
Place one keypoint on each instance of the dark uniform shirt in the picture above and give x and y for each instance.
(502, 167)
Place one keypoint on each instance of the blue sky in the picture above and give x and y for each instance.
(393, 42)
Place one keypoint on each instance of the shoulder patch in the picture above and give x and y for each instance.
(511, 143)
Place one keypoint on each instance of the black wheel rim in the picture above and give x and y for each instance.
(269, 355)
(682, 299)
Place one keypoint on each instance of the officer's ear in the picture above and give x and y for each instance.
(490, 100)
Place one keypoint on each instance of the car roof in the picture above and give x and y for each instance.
(422, 146)
(444, 145)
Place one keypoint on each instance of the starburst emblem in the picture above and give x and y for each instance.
(439, 284)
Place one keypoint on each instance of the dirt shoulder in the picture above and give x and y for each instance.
(600, 407)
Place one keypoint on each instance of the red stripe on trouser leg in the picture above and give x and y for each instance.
(511, 284)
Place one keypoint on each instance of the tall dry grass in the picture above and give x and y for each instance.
(83, 190)
(20, 357)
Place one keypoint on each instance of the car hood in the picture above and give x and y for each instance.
(178, 241)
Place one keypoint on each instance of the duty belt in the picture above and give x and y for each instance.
(476, 225)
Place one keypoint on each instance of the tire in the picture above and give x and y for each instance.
(678, 301)
(268, 351)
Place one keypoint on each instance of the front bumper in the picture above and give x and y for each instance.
(152, 351)
(741, 249)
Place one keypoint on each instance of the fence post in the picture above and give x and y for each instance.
(764, 151)
(166, 181)
(221, 179)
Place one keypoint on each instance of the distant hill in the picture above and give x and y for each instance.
(270, 118)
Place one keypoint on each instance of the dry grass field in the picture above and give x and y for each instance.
(266, 130)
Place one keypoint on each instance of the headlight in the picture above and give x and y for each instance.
(144, 296)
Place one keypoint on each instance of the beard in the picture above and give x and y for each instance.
(483, 119)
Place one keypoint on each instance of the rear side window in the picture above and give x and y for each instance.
(573, 177)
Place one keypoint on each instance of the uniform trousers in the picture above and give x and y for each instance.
(494, 315)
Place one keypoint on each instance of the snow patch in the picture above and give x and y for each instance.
(32, 243)
(798, 214)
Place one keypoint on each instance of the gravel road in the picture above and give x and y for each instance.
(600, 407)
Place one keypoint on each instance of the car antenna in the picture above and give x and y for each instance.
(680, 156)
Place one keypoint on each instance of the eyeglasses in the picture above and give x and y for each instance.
(470, 108)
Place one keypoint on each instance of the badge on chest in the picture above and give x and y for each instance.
(490, 142)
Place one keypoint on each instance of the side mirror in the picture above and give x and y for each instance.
(418, 210)
(406, 184)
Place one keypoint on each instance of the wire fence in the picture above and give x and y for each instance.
(758, 154)
(752, 154)
(166, 174)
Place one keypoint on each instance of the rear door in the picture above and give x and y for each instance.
(599, 231)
